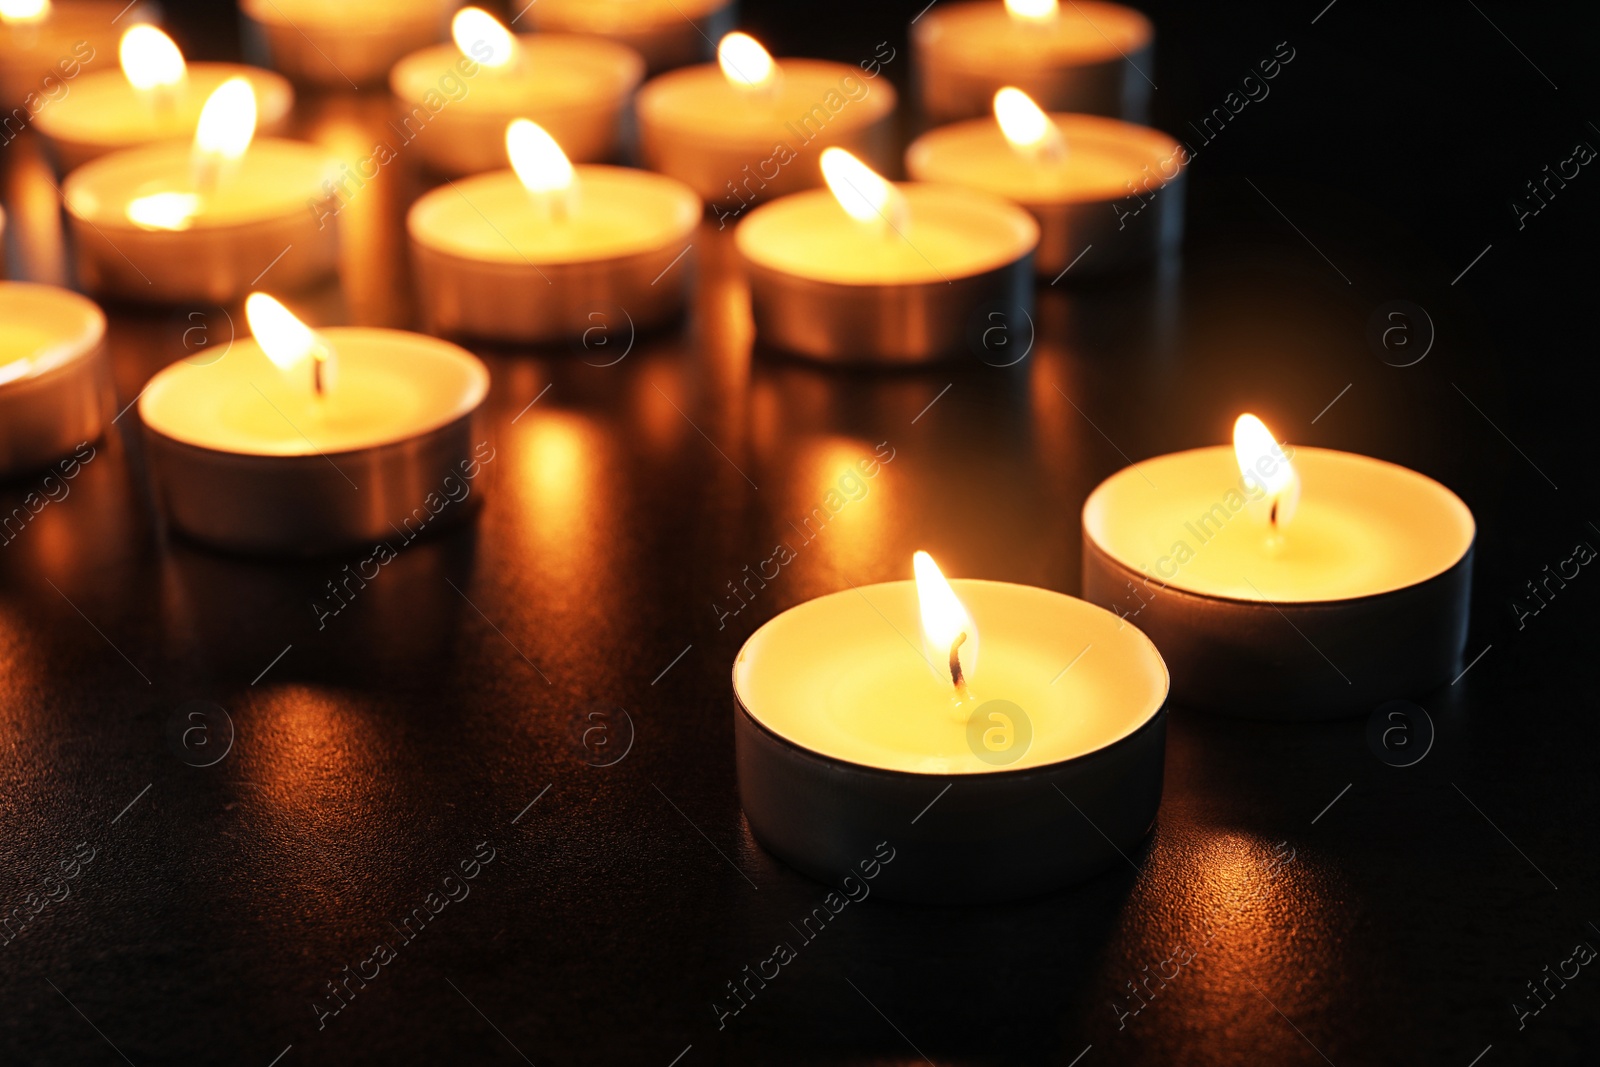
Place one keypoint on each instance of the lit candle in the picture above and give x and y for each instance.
(532, 254)
(1285, 585)
(54, 374)
(47, 44)
(1085, 56)
(156, 96)
(344, 44)
(301, 441)
(1086, 179)
(867, 270)
(850, 731)
(457, 98)
(171, 222)
(746, 129)
(667, 33)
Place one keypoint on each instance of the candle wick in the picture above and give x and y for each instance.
(1272, 514)
(955, 666)
(319, 360)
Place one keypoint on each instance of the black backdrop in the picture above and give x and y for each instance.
(1415, 909)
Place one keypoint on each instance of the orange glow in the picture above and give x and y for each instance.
(24, 10)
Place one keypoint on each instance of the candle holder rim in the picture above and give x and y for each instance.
(1090, 540)
(83, 343)
(474, 366)
(1143, 39)
(660, 114)
(1026, 225)
(1149, 646)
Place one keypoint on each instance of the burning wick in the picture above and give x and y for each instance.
(955, 667)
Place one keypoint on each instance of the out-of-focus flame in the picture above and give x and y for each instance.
(480, 35)
(540, 163)
(860, 190)
(744, 62)
(24, 10)
(150, 60)
(1033, 10)
(227, 122)
(1026, 126)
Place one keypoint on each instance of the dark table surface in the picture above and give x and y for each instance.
(1330, 907)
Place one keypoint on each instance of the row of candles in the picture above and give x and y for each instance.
(1270, 584)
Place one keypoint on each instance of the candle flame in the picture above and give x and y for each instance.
(1033, 10)
(286, 340)
(744, 62)
(150, 60)
(1261, 458)
(948, 633)
(540, 163)
(1025, 124)
(860, 190)
(480, 35)
(227, 122)
(164, 211)
(24, 10)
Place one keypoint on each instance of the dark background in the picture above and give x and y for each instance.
(378, 752)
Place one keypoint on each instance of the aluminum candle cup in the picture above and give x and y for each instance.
(578, 88)
(1111, 193)
(343, 44)
(1361, 598)
(137, 240)
(1083, 56)
(846, 739)
(902, 284)
(54, 374)
(488, 265)
(44, 44)
(736, 145)
(667, 33)
(246, 459)
(104, 113)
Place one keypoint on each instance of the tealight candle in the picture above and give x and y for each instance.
(1084, 56)
(667, 33)
(989, 780)
(168, 222)
(532, 253)
(44, 44)
(301, 441)
(54, 374)
(576, 87)
(866, 270)
(156, 96)
(746, 129)
(1278, 585)
(342, 45)
(1086, 179)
